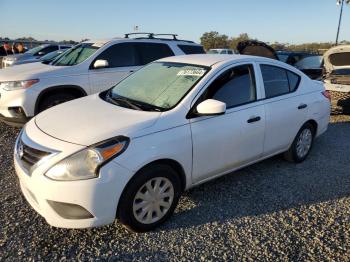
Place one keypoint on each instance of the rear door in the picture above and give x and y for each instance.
(222, 143)
(285, 107)
(122, 59)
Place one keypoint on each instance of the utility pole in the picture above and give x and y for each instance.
(341, 3)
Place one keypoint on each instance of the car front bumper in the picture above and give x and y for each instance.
(17, 107)
(54, 200)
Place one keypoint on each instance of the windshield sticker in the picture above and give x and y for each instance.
(191, 72)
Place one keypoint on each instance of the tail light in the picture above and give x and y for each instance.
(327, 94)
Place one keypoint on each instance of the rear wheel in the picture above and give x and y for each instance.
(55, 99)
(302, 144)
(150, 198)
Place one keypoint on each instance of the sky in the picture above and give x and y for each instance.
(292, 21)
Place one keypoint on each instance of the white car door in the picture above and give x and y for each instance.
(285, 108)
(122, 60)
(224, 142)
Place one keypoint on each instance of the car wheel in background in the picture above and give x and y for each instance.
(54, 100)
(302, 144)
(150, 198)
(340, 102)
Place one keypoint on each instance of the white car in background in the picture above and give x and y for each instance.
(87, 68)
(221, 51)
(337, 77)
(131, 151)
(32, 55)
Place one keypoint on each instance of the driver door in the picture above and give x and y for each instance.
(225, 142)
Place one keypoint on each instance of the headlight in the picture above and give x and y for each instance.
(14, 85)
(86, 163)
(10, 59)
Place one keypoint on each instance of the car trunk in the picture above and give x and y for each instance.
(337, 65)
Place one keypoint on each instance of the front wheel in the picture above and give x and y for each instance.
(150, 198)
(54, 100)
(302, 144)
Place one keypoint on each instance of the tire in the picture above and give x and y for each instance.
(55, 99)
(139, 214)
(295, 153)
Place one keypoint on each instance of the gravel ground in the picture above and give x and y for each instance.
(272, 210)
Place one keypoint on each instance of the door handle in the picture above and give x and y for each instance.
(302, 106)
(131, 71)
(254, 119)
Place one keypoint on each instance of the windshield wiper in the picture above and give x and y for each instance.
(138, 105)
(127, 102)
(120, 101)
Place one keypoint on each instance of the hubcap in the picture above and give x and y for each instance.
(304, 143)
(153, 200)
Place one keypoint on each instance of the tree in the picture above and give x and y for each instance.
(213, 39)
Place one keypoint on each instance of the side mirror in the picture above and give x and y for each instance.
(100, 64)
(211, 107)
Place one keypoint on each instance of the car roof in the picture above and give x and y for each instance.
(101, 42)
(209, 59)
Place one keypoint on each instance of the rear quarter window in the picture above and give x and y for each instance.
(278, 81)
(191, 49)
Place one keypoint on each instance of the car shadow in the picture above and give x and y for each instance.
(272, 185)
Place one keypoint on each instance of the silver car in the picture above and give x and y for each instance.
(33, 55)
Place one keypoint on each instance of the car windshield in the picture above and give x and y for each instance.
(35, 49)
(158, 86)
(75, 55)
(51, 56)
(309, 62)
(213, 51)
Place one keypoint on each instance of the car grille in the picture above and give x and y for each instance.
(29, 156)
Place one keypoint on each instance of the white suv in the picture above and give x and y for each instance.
(87, 68)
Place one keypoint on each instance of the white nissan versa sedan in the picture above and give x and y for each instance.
(130, 152)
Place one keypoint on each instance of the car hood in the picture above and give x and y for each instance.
(337, 58)
(90, 120)
(33, 70)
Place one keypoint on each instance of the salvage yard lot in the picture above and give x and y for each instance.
(272, 210)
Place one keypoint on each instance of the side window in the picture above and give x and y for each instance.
(150, 52)
(230, 52)
(294, 80)
(234, 87)
(47, 50)
(191, 49)
(119, 55)
(278, 81)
